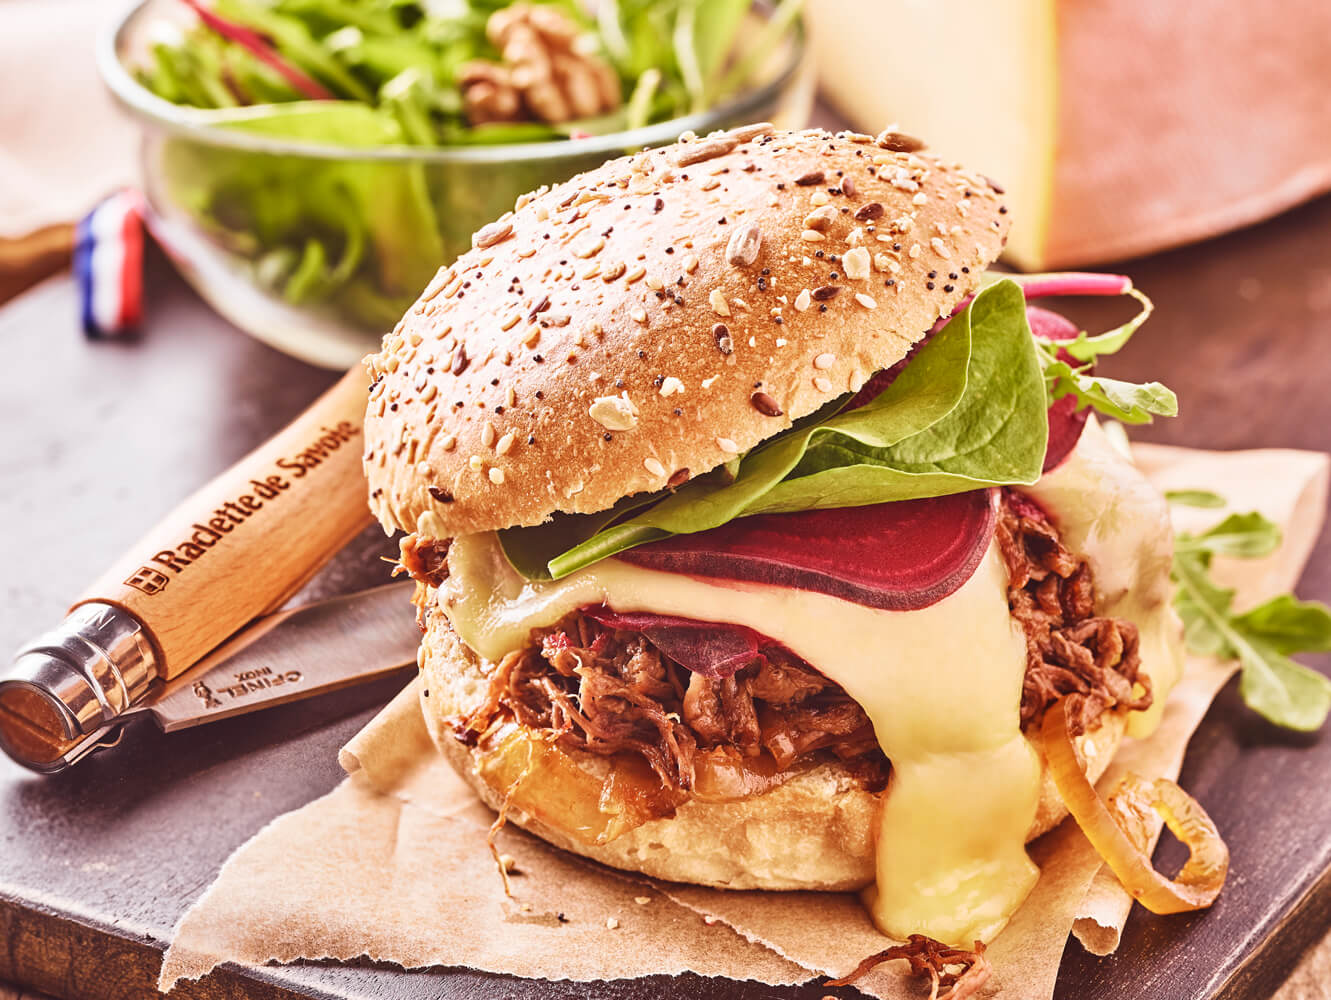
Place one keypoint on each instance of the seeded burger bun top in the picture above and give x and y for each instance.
(650, 319)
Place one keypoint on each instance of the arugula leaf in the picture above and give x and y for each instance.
(716, 26)
(1289, 625)
(295, 42)
(967, 412)
(1195, 498)
(783, 17)
(686, 52)
(1128, 402)
(1281, 690)
(1245, 536)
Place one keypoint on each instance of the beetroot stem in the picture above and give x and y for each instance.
(252, 41)
(1075, 283)
(1057, 283)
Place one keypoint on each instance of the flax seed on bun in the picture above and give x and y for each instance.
(651, 319)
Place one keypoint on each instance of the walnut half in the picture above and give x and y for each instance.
(548, 73)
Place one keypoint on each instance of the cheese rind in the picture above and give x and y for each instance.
(977, 81)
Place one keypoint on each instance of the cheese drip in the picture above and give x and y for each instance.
(941, 685)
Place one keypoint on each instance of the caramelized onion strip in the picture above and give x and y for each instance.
(1200, 880)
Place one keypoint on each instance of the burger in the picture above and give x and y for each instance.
(759, 529)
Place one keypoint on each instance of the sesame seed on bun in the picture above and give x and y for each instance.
(654, 318)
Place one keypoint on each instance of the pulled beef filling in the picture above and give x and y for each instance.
(1070, 652)
(606, 691)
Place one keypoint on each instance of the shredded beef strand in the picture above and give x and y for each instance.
(501, 820)
(956, 971)
(426, 559)
(1071, 653)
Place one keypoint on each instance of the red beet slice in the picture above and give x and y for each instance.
(898, 556)
(1047, 325)
(713, 649)
(1065, 427)
(1065, 420)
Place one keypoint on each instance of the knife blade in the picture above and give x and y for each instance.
(294, 654)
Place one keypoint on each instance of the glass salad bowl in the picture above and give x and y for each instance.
(318, 247)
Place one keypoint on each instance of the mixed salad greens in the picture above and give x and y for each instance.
(362, 237)
(405, 60)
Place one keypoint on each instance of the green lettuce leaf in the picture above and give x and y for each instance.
(967, 412)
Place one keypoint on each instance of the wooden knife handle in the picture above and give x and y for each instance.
(252, 537)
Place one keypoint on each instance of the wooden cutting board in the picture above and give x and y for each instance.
(98, 864)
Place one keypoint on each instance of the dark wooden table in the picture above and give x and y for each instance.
(100, 439)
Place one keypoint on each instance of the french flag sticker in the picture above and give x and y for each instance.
(108, 265)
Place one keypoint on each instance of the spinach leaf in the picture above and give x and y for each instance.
(995, 434)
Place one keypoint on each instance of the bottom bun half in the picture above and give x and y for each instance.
(815, 831)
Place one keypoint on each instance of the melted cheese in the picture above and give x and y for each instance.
(942, 685)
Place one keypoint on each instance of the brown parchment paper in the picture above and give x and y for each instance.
(392, 864)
